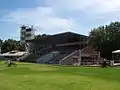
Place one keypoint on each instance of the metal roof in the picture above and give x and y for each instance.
(13, 53)
(117, 51)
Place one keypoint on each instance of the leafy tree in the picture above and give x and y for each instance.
(38, 36)
(106, 39)
(21, 47)
(1, 42)
(10, 44)
(41, 37)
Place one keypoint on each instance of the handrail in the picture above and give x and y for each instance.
(71, 43)
(67, 56)
(70, 55)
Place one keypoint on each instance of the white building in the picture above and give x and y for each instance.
(17, 55)
(27, 33)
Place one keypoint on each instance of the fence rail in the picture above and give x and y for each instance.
(99, 62)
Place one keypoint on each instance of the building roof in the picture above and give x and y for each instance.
(60, 38)
(13, 53)
(117, 51)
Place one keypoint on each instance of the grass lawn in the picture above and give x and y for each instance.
(47, 77)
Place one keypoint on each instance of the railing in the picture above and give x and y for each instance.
(115, 62)
(99, 62)
(82, 42)
(67, 57)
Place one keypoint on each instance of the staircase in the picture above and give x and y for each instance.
(60, 56)
(53, 57)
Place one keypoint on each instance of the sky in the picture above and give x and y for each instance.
(55, 16)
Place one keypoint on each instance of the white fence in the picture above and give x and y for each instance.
(99, 62)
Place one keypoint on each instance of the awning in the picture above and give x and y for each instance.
(117, 51)
(16, 54)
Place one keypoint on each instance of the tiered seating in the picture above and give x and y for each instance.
(62, 54)
(55, 55)
(47, 57)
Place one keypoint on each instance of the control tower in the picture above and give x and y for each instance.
(26, 34)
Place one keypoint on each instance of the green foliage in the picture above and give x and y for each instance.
(1, 42)
(10, 44)
(11, 63)
(41, 37)
(106, 39)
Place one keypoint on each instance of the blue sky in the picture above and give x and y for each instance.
(54, 16)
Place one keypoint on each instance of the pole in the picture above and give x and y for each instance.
(0, 49)
(79, 57)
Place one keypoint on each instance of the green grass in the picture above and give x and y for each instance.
(47, 77)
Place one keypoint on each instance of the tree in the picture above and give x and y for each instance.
(21, 47)
(10, 44)
(1, 42)
(41, 37)
(106, 39)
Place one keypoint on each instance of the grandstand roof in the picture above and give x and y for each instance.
(60, 38)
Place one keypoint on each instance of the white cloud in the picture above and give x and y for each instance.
(101, 11)
(47, 20)
(70, 4)
(42, 17)
(90, 6)
(106, 6)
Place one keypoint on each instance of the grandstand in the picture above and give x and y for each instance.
(63, 49)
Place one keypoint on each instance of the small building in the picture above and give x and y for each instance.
(14, 55)
(116, 56)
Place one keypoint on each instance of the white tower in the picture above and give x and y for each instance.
(27, 33)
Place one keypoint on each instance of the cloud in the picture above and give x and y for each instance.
(70, 4)
(93, 11)
(42, 17)
(89, 6)
(54, 16)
